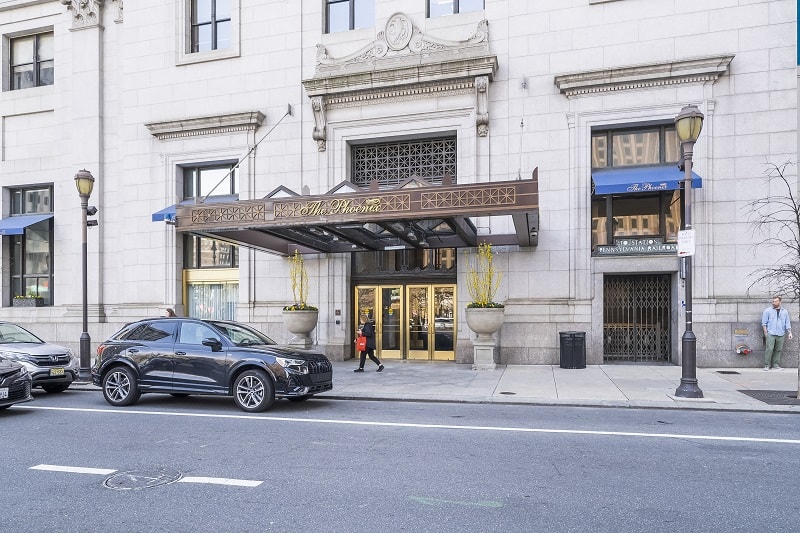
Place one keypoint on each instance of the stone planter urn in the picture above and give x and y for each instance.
(484, 321)
(300, 324)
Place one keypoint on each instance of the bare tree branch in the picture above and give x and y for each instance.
(776, 223)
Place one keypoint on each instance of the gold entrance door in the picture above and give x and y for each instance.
(418, 304)
(388, 329)
(431, 320)
(383, 305)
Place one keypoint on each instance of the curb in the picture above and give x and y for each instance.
(701, 404)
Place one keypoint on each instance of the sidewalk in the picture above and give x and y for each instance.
(615, 385)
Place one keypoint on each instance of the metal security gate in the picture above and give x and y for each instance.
(636, 318)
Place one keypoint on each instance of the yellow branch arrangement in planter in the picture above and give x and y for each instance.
(299, 280)
(483, 280)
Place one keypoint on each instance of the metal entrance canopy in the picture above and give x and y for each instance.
(416, 214)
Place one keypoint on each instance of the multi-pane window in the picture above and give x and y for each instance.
(392, 163)
(31, 258)
(211, 25)
(438, 8)
(636, 215)
(344, 15)
(653, 214)
(439, 260)
(200, 252)
(641, 146)
(31, 61)
(212, 286)
(214, 180)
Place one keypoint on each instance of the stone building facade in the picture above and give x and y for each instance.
(231, 108)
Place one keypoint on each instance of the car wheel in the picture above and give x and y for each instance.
(298, 398)
(253, 391)
(120, 387)
(61, 387)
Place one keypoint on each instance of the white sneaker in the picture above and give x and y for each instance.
(776, 367)
(766, 368)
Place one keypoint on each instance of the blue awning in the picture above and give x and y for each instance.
(166, 214)
(15, 225)
(640, 180)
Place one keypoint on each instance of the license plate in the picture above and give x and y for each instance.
(3, 393)
(56, 371)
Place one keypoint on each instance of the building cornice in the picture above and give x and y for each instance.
(408, 77)
(210, 125)
(697, 70)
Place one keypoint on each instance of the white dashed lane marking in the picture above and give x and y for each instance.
(221, 481)
(188, 479)
(74, 469)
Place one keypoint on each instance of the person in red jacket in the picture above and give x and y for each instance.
(368, 330)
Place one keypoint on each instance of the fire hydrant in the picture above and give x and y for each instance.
(743, 349)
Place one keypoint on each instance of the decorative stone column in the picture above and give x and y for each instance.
(85, 104)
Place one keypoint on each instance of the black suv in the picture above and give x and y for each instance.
(182, 356)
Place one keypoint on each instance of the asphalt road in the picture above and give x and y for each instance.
(70, 462)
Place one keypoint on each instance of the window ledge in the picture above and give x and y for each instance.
(210, 125)
(204, 57)
(641, 76)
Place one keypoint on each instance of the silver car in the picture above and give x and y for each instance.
(51, 367)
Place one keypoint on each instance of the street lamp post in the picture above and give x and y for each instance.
(688, 124)
(84, 181)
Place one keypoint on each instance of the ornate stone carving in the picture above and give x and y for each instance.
(398, 31)
(402, 63)
(119, 11)
(319, 135)
(482, 105)
(400, 42)
(85, 13)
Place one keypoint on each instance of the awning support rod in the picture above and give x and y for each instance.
(202, 199)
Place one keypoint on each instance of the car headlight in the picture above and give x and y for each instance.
(17, 356)
(297, 365)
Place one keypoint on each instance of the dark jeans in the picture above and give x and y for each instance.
(371, 353)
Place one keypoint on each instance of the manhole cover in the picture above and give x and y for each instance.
(142, 479)
(774, 397)
(727, 372)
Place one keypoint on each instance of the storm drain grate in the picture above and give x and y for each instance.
(727, 372)
(142, 479)
(774, 397)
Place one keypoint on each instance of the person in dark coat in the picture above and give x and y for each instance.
(367, 329)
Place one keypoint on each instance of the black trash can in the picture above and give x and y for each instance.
(573, 349)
